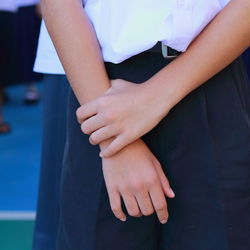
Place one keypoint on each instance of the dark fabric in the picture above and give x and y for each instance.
(7, 49)
(203, 145)
(54, 135)
(246, 57)
(27, 27)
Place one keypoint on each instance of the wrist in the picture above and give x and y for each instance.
(162, 94)
(171, 84)
(137, 143)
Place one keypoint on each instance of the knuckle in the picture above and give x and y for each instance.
(161, 207)
(125, 133)
(111, 151)
(152, 181)
(148, 211)
(116, 210)
(84, 129)
(125, 188)
(108, 115)
(132, 209)
(133, 212)
(93, 140)
(166, 182)
(78, 112)
(137, 186)
(103, 101)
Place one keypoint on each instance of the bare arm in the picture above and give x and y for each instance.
(78, 49)
(227, 36)
(77, 46)
(223, 40)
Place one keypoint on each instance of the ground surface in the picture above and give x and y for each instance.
(19, 170)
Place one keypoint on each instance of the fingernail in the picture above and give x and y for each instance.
(123, 219)
(171, 192)
(164, 221)
(101, 155)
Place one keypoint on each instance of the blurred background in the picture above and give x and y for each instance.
(21, 93)
(21, 98)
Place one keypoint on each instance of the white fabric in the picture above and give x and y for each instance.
(47, 60)
(8, 5)
(24, 3)
(127, 28)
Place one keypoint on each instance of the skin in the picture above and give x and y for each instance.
(136, 179)
(113, 114)
(80, 54)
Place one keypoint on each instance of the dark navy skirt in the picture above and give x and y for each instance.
(246, 57)
(203, 145)
(55, 96)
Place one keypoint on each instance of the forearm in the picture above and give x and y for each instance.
(223, 40)
(77, 46)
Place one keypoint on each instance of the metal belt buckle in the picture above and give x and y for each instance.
(165, 52)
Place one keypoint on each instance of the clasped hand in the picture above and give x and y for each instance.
(118, 118)
(124, 112)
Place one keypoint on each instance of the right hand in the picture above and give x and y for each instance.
(136, 176)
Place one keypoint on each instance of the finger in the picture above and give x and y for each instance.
(145, 204)
(159, 203)
(119, 83)
(85, 111)
(164, 181)
(92, 124)
(115, 204)
(131, 205)
(119, 143)
(101, 135)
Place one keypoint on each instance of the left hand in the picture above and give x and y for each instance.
(125, 112)
(135, 176)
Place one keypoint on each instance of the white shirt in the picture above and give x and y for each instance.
(8, 5)
(127, 28)
(24, 3)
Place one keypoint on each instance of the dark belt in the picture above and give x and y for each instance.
(165, 50)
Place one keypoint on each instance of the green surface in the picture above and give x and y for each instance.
(16, 235)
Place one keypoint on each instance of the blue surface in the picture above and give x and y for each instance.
(20, 153)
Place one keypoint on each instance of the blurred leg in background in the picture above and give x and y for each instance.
(54, 135)
(7, 61)
(4, 127)
(28, 26)
(32, 94)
